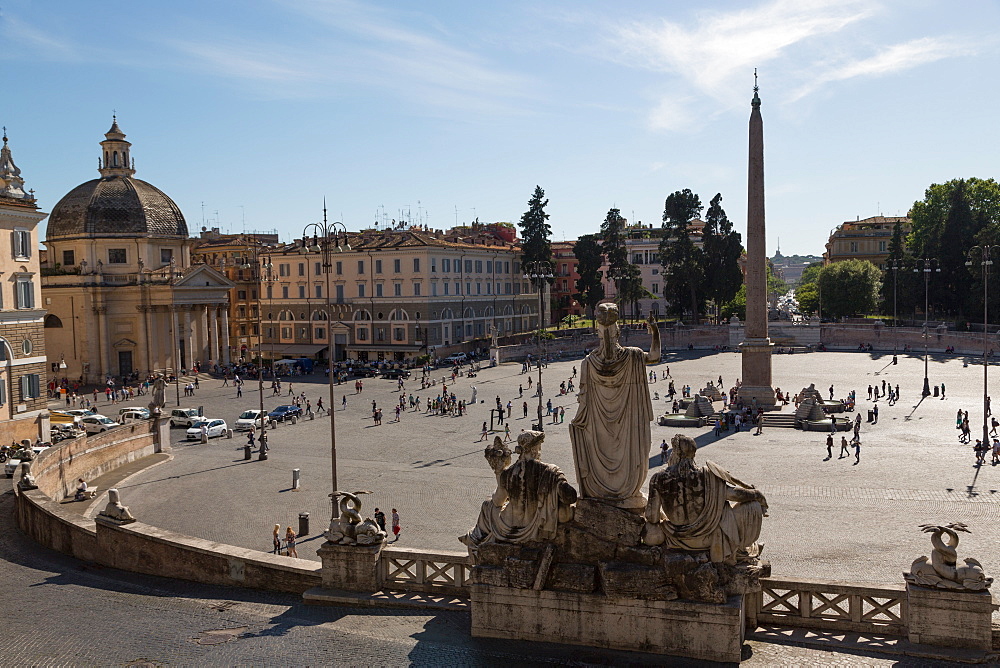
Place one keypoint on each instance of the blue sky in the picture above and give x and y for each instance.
(260, 109)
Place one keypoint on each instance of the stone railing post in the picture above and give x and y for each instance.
(351, 567)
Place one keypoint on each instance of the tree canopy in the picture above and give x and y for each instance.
(849, 288)
(589, 260)
(683, 268)
(722, 247)
(535, 230)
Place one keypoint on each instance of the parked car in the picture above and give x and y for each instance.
(456, 358)
(136, 409)
(183, 417)
(128, 417)
(363, 372)
(78, 412)
(215, 428)
(393, 374)
(95, 424)
(248, 419)
(282, 413)
(14, 462)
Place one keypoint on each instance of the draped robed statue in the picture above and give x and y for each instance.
(610, 433)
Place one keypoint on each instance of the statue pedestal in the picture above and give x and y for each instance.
(707, 631)
(351, 567)
(950, 618)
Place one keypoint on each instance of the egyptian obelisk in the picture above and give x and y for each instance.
(756, 346)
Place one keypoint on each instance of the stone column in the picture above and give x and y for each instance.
(175, 338)
(188, 338)
(756, 347)
(225, 334)
(147, 321)
(102, 337)
(213, 334)
(202, 326)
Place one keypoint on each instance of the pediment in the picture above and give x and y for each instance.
(125, 343)
(203, 276)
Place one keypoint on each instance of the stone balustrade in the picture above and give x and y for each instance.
(431, 572)
(833, 606)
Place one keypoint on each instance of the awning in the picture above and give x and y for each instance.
(294, 349)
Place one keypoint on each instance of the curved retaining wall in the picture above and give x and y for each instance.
(139, 547)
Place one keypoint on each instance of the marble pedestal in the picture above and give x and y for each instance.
(950, 618)
(351, 567)
(756, 368)
(707, 631)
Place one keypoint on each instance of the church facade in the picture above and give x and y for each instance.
(122, 295)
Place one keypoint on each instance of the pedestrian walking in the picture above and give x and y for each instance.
(506, 433)
(276, 538)
(942, 391)
(290, 543)
(857, 451)
(875, 414)
(525, 407)
(239, 391)
(485, 432)
(844, 451)
(380, 519)
(829, 447)
(396, 528)
(760, 424)
(664, 449)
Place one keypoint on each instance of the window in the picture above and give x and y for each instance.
(286, 332)
(458, 288)
(319, 292)
(51, 321)
(378, 289)
(25, 293)
(380, 333)
(416, 265)
(166, 255)
(117, 256)
(434, 266)
(506, 288)
(468, 288)
(434, 289)
(29, 386)
(397, 289)
(361, 266)
(479, 266)
(489, 266)
(854, 246)
(283, 270)
(416, 289)
(479, 288)
(446, 289)
(302, 292)
(361, 289)
(340, 268)
(506, 267)
(378, 266)
(398, 334)
(69, 258)
(319, 332)
(362, 334)
(396, 265)
(243, 330)
(446, 265)
(881, 247)
(656, 288)
(468, 266)
(270, 292)
(340, 294)
(284, 292)
(655, 272)
(21, 241)
(317, 268)
(241, 294)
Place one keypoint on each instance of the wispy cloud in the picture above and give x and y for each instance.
(801, 41)
(16, 31)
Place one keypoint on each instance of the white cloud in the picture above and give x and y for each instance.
(16, 31)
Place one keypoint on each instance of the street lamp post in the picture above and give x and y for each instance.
(926, 266)
(326, 238)
(539, 272)
(262, 272)
(895, 265)
(985, 254)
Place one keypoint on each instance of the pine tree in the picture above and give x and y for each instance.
(722, 247)
(535, 230)
(620, 270)
(682, 261)
(589, 260)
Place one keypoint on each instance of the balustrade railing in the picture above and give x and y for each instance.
(833, 606)
(433, 572)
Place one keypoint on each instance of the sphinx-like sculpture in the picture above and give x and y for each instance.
(703, 508)
(531, 499)
(943, 571)
(115, 510)
(610, 433)
(349, 528)
(27, 480)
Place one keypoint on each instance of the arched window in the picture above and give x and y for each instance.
(362, 315)
(320, 315)
(469, 313)
(52, 320)
(115, 158)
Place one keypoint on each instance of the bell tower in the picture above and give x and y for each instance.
(115, 160)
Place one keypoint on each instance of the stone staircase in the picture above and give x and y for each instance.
(785, 420)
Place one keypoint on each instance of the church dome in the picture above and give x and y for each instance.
(117, 204)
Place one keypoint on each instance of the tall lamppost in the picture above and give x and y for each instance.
(261, 271)
(895, 265)
(539, 272)
(985, 255)
(926, 266)
(327, 239)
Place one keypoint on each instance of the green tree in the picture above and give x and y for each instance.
(736, 306)
(632, 290)
(722, 247)
(535, 230)
(613, 242)
(590, 285)
(893, 278)
(808, 297)
(811, 273)
(683, 271)
(849, 288)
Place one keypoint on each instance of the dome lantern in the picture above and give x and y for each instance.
(116, 160)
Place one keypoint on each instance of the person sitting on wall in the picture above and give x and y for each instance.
(81, 491)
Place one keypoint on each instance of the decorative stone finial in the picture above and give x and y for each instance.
(943, 572)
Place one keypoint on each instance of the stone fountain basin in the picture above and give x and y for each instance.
(681, 420)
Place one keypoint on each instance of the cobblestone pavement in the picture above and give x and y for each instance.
(828, 519)
(62, 612)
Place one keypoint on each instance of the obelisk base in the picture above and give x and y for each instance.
(756, 381)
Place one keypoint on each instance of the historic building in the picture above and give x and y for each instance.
(119, 285)
(23, 413)
(866, 239)
(564, 265)
(396, 294)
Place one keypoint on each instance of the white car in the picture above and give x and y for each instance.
(184, 417)
(215, 428)
(456, 358)
(11, 465)
(128, 417)
(250, 418)
(95, 424)
(134, 409)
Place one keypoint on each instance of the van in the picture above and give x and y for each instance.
(183, 417)
(127, 417)
(136, 409)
